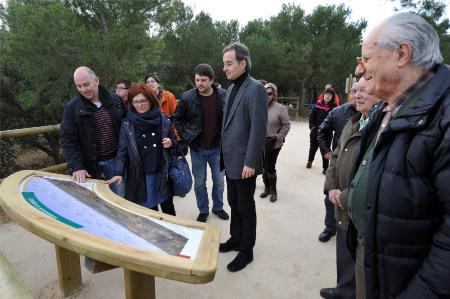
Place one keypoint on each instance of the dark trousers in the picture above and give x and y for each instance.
(313, 146)
(167, 206)
(330, 221)
(270, 160)
(243, 213)
(345, 267)
(360, 276)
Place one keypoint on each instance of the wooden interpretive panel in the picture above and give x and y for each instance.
(88, 219)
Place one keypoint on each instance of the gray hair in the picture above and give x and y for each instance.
(242, 53)
(415, 30)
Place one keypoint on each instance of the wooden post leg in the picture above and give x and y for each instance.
(69, 270)
(138, 285)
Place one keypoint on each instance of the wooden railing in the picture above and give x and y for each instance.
(34, 131)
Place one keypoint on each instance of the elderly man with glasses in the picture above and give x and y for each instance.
(399, 197)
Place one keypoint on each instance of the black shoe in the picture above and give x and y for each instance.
(309, 164)
(326, 235)
(221, 214)
(265, 193)
(329, 293)
(273, 197)
(227, 247)
(202, 217)
(240, 262)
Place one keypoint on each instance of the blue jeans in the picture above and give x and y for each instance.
(153, 186)
(105, 171)
(199, 159)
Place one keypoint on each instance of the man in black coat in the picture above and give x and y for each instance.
(399, 198)
(90, 127)
(198, 120)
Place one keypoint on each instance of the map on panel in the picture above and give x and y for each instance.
(78, 206)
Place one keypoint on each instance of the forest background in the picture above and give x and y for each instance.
(43, 41)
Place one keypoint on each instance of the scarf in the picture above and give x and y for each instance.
(323, 106)
(144, 121)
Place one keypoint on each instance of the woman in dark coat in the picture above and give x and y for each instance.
(145, 141)
(317, 116)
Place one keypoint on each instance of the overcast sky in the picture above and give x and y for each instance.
(245, 10)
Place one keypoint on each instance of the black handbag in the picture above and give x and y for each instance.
(180, 175)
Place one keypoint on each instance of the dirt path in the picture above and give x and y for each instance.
(289, 261)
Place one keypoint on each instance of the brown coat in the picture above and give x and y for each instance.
(341, 164)
(278, 124)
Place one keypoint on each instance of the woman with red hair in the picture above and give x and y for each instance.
(145, 146)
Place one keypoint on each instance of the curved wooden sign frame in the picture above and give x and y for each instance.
(141, 266)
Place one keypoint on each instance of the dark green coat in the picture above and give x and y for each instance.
(341, 164)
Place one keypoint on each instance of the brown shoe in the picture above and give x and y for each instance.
(309, 164)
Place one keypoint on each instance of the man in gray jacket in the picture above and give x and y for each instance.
(242, 149)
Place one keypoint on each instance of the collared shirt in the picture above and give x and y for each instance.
(398, 102)
(363, 122)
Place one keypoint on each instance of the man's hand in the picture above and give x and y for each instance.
(117, 179)
(327, 155)
(247, 172)
(333, 196)
(80, 176)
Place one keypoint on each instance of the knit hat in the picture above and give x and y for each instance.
(273, 87)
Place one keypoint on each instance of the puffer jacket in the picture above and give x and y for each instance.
(339, 172)
(188, 118)
(335, 121)
(407, 209)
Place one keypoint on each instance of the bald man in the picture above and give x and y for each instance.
(90, 129)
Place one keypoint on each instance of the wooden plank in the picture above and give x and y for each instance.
(10, 284)
(139, 285)
(96, 266)
(29, 131)
(69, 271)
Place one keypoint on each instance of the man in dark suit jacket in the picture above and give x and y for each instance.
(242, 148)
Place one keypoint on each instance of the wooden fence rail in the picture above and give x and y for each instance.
(34, 131)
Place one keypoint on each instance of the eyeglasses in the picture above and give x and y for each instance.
(151, 81)
(365, 58)
(137, 102)
(270, 93)
(356, 90)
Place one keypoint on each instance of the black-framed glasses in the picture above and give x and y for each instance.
(137, 102)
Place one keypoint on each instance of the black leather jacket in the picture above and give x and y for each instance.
(188, 114)
(335, 121)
